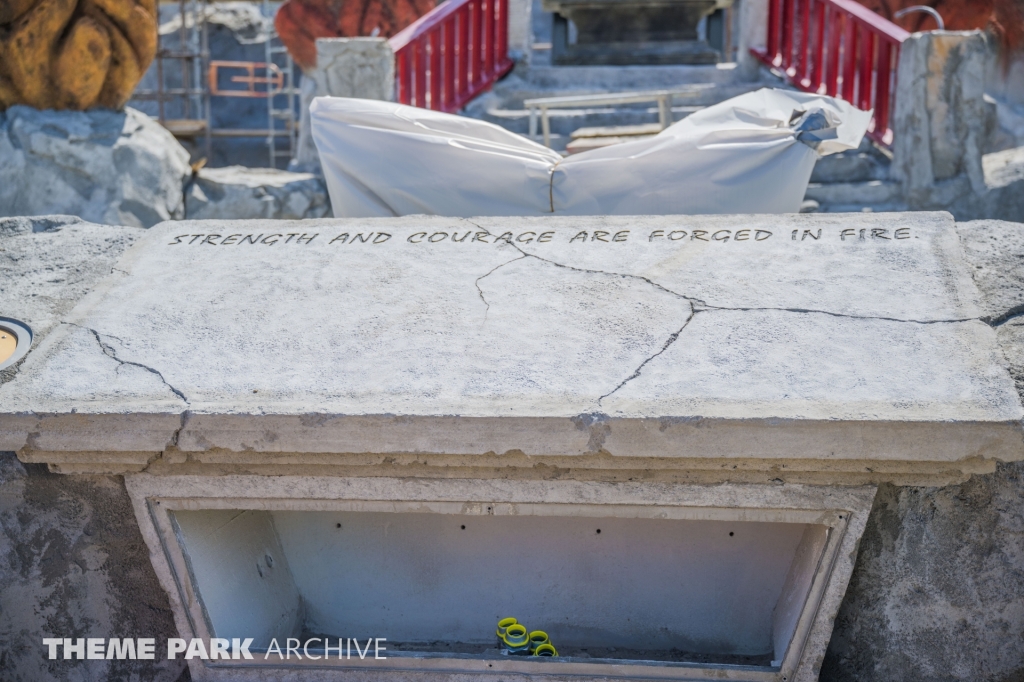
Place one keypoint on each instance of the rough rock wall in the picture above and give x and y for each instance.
(937, 592)
(72, 560)
(73, 564)
(118, 168)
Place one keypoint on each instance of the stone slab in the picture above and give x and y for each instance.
(824, 336)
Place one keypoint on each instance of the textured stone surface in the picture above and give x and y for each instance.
(866, 349)
(67, 54)
(941, 121)
(346, 67)
(73, 564)
(117, 168)
(938, 588)
(71, 558)
(238, 193)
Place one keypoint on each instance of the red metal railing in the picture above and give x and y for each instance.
(452, 54)
(837, 48)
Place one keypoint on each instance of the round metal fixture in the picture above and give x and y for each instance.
(15, 339)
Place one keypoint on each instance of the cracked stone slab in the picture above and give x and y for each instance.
(822, 336)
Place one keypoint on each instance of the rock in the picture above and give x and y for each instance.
(236, 192)
(48, 263)
(74, 54)
(346, 67)
(995, 250)
(117, 168)
(938, 588)
(941, 119)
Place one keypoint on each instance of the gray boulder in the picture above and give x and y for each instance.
(116, 168)
(237, 192)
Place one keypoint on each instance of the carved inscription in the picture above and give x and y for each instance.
(580, 238)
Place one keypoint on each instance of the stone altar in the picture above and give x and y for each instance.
(505, 369)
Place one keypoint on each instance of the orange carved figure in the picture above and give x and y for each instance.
(1005, 18)
(301, 22)
(74, 54)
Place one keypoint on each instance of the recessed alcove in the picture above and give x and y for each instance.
(670, 588)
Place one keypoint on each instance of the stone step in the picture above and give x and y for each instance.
(564, 122)
(863, 164)
(844, 197)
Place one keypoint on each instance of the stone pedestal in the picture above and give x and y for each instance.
(620, 32)
(345, 67)
(336, 428)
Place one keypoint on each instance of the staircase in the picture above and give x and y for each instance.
(851, 181)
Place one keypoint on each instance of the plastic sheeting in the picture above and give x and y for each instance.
(750, 154)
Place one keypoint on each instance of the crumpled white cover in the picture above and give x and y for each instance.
(742, 155)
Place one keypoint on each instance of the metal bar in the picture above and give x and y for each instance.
(817, 72)
(867, 67)
(774, 30)
(533, 122)
(804, 44)
(502, 24)
(478, 41)
(882, 89)
(665, 111)
(490, 20)
(545, 125)
(448, 99)
(619, 98)
(420, 73)
(435, 70)
(787, 35)
(463, 69)
(402, 76)
(849, 60)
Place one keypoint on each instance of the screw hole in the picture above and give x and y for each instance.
(598, 531)
(731, 533)
(338, 526)
(840, 516)
(463, 528)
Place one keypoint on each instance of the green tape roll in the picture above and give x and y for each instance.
(503, 625)
(515, 636)
(538, 637)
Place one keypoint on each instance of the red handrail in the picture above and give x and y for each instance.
(838, 48)
(452, 54)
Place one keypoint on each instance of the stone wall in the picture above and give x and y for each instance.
(938, 589)
(72, 559)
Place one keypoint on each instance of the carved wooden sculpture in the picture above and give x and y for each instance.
(301, 22)
(74, 54)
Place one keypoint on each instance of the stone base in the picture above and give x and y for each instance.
(278, 557)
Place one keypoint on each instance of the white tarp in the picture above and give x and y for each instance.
(750, 154)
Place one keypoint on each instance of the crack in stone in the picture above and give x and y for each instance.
(671, 339)
(111, 353)
(812, 311)
(702, 306)
(999, 320)
(480, 291)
